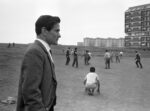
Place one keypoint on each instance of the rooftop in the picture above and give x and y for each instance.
(139, 7)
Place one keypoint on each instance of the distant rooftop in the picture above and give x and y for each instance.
(139, 7)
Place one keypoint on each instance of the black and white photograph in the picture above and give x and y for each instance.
(75, 55)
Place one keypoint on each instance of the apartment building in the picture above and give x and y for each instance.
(89, 41)
(104, 42)
(80, 44)
(137, 26)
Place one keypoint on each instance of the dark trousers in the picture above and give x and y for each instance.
(117, 59)
(107, 63)
(67, 60)
(138, 63)
(75, 61)
(86, 61)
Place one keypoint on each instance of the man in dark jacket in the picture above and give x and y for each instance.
(37, 85)
(68, 56)
(138, 60)
(75, 58)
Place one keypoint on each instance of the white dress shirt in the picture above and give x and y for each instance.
(47, 47)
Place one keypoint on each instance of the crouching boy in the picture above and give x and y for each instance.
(92, 82)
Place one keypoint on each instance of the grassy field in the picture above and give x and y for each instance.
(123, 87)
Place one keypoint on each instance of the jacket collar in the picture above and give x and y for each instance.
(48, 48)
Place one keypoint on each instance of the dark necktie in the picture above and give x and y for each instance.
(50, 52)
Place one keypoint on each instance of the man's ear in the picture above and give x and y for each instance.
(44, 31)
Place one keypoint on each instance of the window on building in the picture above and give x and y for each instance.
(139, 38)
(148, 44)
(143, 38)
(143, 44)
(148, 28)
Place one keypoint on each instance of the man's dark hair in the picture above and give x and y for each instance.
(92, 69)
(46, 21)
(75, 48)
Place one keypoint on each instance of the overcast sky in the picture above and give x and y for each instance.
(79, 18)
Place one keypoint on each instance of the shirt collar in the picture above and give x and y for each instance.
(48, 48)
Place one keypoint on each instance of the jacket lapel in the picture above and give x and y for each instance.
(52, 66)
(49, 58)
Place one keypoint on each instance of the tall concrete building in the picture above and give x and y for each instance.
(137, 26)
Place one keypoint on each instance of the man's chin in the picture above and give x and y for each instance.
(56, 43)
